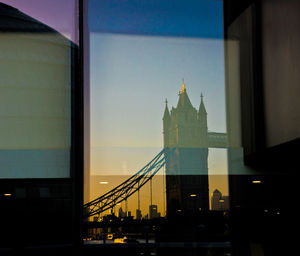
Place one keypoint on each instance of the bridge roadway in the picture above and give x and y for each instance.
(217, 140)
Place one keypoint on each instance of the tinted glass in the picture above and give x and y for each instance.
(158, 123)
(38, 39)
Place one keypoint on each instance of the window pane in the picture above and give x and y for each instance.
(37, 41)
(140, 54)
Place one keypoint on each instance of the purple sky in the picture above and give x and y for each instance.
(58, 14)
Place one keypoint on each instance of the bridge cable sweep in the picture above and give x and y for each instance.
(120, 193)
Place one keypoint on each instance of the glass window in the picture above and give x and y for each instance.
(158, 122)
(38, 39)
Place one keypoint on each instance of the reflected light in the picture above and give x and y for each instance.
(221, 200)
(256, 181)
(8, 194)
(103, 182)
(182, 87)
(193, 195)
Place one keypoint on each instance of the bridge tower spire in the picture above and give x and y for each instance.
(202, 114)
(202, 118)
(166, 124)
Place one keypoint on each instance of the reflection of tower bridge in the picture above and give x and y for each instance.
(185, 153)
(128, 187)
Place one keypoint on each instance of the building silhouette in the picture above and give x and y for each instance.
(138, 214)
(153, 213)
(122, 214)
(219, 202)
(185, 128)
(39, 166)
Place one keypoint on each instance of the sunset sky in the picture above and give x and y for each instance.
(57, 14)
(130, 78)
(135, 66)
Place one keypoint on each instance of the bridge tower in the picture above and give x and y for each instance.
(186, 169)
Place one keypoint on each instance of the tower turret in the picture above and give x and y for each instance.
(202, 117)
(202, 114)
(166, 124)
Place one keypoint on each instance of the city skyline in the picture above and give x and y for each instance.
(101, 184)
(127, 108)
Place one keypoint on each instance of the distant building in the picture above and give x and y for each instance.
(185, 128)
(219, 202)
(138, 214)
(122, 214)
(153, 212)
